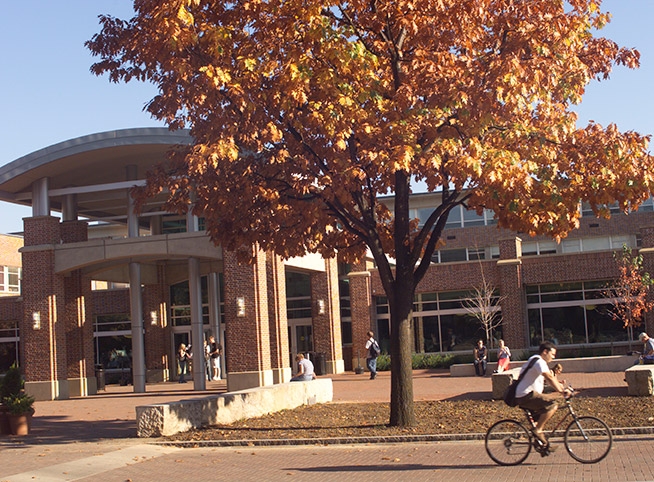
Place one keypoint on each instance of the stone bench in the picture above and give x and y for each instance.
(501, 381)
(468, 369)
(640, 380)
(170, 418)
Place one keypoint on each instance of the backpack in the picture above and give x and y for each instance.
(509, 394)
(374, 350)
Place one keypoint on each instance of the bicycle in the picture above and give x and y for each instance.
(587, 439)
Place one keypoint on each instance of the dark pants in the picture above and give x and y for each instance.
(480, 367)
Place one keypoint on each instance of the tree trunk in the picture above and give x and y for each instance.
(402, 413)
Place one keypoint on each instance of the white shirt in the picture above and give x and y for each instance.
(533, 381)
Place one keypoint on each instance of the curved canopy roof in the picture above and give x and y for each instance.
(87, 166)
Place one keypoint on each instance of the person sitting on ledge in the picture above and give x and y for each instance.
(647, 358)
(480, 359)
(305, 371)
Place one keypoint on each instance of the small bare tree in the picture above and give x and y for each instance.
(484, 304)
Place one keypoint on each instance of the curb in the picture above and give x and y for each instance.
(363, 440)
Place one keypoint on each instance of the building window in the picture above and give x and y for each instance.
(97, 285)
(572, 313)
(458, 255)
(9, 346)
(113, 341)
(298, 295)
(441, 322)
(10, 277)
(180, 303)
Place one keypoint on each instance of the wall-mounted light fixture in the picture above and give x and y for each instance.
(36, 320)
(321, 307)
(240, 307)
(154, 318)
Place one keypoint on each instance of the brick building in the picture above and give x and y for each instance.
(103, 286)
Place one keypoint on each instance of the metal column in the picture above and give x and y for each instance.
(197, 330)
(138, 339)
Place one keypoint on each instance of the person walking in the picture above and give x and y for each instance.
(373, 352)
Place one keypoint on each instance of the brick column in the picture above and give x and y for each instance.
(156, 301)
(79, 335)
(278, 320)
(514, 303)
(79, 319)
(246, 322)
(361, 304)
(326, 316)
(43, 326)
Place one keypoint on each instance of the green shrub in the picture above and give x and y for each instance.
(383, 363)
(419, 361)
(12, 383)
(19, 404)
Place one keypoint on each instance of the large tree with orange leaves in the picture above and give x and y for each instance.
(305, 112)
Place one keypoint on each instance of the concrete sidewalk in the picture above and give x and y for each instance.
(112, 415)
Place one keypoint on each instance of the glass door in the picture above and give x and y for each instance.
(300, 339)
(182, 334)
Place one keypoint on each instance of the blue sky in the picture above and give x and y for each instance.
(49, 95)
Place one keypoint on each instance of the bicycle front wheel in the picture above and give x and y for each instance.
(588, 439)
(508, 442)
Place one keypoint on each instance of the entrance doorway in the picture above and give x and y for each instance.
(300, 338)
(182, 334)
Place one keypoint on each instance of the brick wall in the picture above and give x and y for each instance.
(248, 336)
(361, 310)
(9, 254)
(326, 325)
(156, 305)
(277, 316)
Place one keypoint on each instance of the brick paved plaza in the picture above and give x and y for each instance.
(93, 439)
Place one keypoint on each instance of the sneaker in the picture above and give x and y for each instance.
(216, 379)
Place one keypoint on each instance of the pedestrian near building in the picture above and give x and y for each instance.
(373, 350)
(503, 357)
(481, 359)
(647, 357)
(305, 371)
(184, 355)
(215, 350)
(207, 360)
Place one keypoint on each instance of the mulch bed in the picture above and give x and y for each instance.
(433, 417)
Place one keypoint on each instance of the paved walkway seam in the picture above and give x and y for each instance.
(362, 440)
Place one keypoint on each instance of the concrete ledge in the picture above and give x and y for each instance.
(174, 417)
(468, 369)
(615, 363)
(501, 381)
(640, 380)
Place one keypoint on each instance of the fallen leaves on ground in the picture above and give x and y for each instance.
(432, 417)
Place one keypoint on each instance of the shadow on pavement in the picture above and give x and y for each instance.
(56, 430)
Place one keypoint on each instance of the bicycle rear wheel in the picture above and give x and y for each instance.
(508, 442)
(588, 439)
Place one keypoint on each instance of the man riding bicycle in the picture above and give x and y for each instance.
(529, 392)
